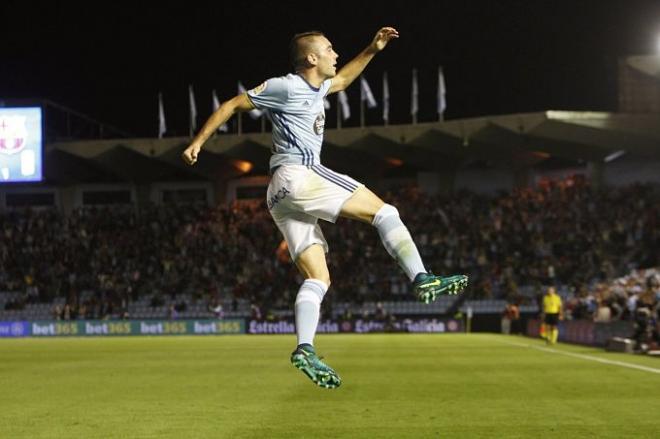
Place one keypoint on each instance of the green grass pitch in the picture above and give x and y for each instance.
(394, 386)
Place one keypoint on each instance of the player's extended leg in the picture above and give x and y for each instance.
(312, 264)
(367, 207)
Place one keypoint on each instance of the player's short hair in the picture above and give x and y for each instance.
(300, 46)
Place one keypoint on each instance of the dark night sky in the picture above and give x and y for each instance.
(499, 56)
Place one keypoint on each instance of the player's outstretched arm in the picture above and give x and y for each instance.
(220, 116)
(352, 70)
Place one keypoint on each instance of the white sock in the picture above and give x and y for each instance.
(308, 309)
(397, 240)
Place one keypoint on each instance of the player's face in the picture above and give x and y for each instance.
(327, 57)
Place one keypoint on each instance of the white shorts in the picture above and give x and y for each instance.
(298, 196)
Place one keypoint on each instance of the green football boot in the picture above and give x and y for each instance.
(428, 286)
(305, 359)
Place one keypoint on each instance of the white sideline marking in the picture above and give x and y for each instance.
(585, 357)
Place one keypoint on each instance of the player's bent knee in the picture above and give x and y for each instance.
(387, 211)
(362, 205)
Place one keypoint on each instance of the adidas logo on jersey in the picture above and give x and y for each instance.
(306, 104)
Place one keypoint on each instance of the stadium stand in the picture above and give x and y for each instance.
(180, 261)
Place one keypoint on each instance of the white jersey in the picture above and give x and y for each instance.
(295, 108)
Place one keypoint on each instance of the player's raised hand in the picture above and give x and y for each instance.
(384, 36)
(190, 154)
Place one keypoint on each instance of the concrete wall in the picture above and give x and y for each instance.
(626, 170)
(486, 182)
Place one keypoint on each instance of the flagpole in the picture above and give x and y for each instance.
(414, 102)
(190, 114)
(193, 110)
(160, 105)
(214, 106)
(214, 99)
(441, 95)
(241, 90)
(161, 117)
(362, 98)
(361, 113)
(386, 100)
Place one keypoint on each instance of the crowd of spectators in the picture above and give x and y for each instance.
(563, 233)
(625, 298)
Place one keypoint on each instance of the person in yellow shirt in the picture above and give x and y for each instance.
(552, 312)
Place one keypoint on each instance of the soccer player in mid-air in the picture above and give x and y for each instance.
(302, 190)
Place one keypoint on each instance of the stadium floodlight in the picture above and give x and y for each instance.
(243, 166)
(394, 161)
(615, 155)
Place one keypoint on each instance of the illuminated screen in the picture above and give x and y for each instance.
(20, 144)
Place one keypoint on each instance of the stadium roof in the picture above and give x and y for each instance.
(507, 141)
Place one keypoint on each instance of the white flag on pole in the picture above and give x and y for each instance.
(366, 94)
(216, 105)
(161, 117)
(442, 102)
(254, 114)
(343, 102)
(193, 110)
(414, 106)
(326, 103)
(386, 98)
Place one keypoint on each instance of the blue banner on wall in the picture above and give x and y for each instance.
(14, 329)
